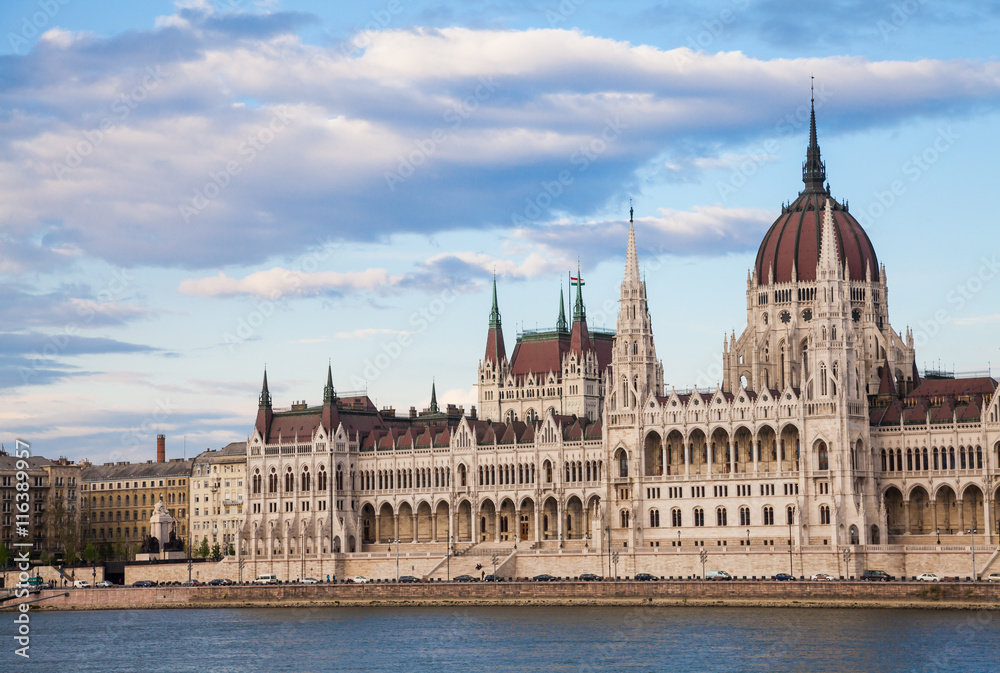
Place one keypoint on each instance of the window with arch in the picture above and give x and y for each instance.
(321, 478)
(305, 478)
(625, 518)
(824, 514)
(654, 518)
(289, 481)
(744, 516)
(675, 517)
(824, 457)
(790, 514)
(699, 516)
(461, 474)
(768, 513)
(548, 472)
(623, 464)
(720, 517)
(272, 481)
(256, 482)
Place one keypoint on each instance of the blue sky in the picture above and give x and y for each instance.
(190, 190)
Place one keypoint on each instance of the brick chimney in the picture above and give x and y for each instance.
(161, 449)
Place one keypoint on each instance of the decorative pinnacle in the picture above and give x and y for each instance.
(631, 258)
(561, 325)
(495, 311)
(579, 312)
(434, 398)
(329, 394)
(265, 394)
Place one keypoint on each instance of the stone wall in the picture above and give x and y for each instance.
(51, 574)
(676, 563)
(732, 593)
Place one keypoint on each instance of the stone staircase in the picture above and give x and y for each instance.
(472, 555)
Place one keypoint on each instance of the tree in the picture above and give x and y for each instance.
(91, 553)
(4, 555)
(202, 551)
(63, 526)
(216, 552)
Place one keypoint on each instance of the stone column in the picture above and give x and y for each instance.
(710, 450)
(934, 509)
(378, 531)
(755, 453)
(732, 457)
(560, 514)
(496, 525)
(414, 524)
(395, 526)
(687, 457)
(434, 526)
(906, 518)
(961, 515)
(538, 528)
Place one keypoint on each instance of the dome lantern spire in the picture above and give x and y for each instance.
(813, 169)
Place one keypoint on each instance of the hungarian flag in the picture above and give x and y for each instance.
(576, 281)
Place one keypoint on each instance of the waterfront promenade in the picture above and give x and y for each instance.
(978, 595)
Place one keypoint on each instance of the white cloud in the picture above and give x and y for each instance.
(278, 282)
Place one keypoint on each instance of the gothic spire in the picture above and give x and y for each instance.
(813, 169)
(329, 394)
(495, 311)
(579, 312)
(434, 398)
(631, 258)
(561, 325)
(265, 394)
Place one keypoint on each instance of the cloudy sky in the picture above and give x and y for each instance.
(191, 190)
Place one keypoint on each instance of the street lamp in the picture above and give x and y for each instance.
(397, 559)
(847, 562)
(938, 531)
(451, 545)
(748, 538)
(972, 546)
(607, 543)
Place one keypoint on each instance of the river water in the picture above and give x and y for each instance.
(442, 640)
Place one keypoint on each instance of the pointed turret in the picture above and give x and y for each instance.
(631, 258)
(580, 337)
(495, 351)
(886, 385)
(331, 413)
(264, 412)
(813, 169)
(434, 398)
(561, 324)
(828, 257)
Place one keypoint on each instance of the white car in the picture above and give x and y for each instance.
(310, 580)
(928, 577)
(360, 579)
(822, 577)
(993, 577)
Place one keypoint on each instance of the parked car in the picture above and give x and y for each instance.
(876, 576)
(645, 577)
(464, 578)
(81, 584)
(928, 577)
(544, 577)
(718, 575)
(493, 578)
(310, 580)
(784, 577)
(590, 577)
(269, 578)
(993, 577)
(409, 579)
(822, 577)
(104, 584)
(142, 583)
(191, 583)
(220, 582)
(360, 579)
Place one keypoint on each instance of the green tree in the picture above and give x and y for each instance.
(4, 555)
(216, 552)
(202, 551)
(91, 553)
(231, 551)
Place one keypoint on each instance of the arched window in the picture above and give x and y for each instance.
(625, 518)
(824, 514)
(321, 478)
(622, 464)
(824, 458)
(548, 472)
(720, 517)
(305, 478)
(256, 482)
(675, 517)
(289, 481)
(790, 515)
(744, 516)
(699, 516)
(654, 518)
(461, 474)
(768, 513)
(272, 482)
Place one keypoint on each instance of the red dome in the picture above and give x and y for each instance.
(795, 237)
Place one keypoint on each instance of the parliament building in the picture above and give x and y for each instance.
(821, 437)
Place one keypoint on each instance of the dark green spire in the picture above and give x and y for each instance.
(579, 312)
(265, 394)
(495, 312)
(434, 396)
(329, 394)
(561, 325)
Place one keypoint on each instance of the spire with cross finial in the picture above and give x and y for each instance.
(434, 398)
(813, 169)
